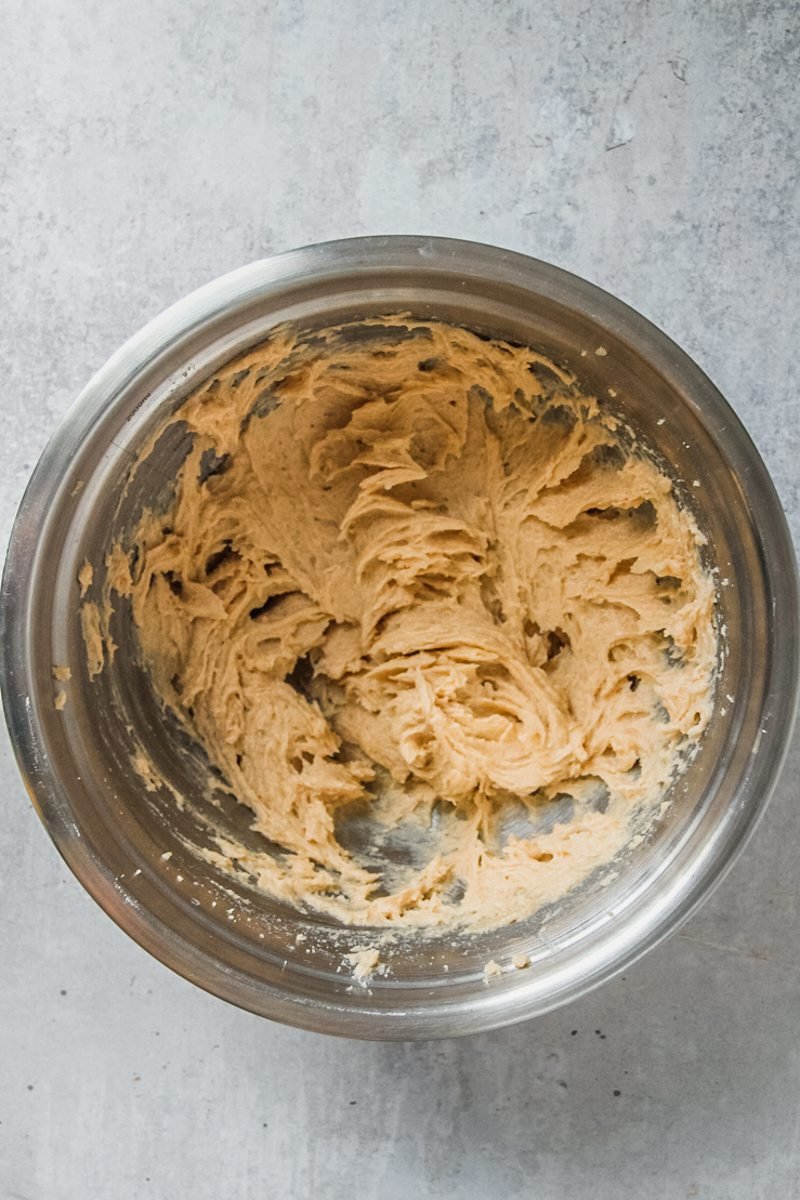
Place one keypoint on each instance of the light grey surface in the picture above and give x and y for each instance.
(651, 147)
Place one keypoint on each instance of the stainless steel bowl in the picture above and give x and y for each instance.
(112, 832)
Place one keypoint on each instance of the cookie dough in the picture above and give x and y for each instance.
(433, 616)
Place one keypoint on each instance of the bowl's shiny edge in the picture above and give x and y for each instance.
(490, 1009)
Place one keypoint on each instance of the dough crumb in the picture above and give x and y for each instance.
(601, 351)
(365, 961)
(61, 673)
(520, 961)
(60, 700)
(85, 577)
(118, 570)
(98, 645)
(492, 968)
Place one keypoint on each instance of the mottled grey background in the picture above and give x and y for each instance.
(150, 145)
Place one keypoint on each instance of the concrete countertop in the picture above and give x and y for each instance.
(652, 148)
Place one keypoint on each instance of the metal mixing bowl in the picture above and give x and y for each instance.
(113, 833)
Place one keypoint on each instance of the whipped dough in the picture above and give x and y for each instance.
(415, 584)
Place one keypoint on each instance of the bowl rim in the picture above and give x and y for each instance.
(267, 277)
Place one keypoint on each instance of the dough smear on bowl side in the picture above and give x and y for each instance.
(414, 581)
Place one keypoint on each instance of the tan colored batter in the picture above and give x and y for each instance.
(414, 578)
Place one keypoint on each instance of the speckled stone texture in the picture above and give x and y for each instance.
(650, 147)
